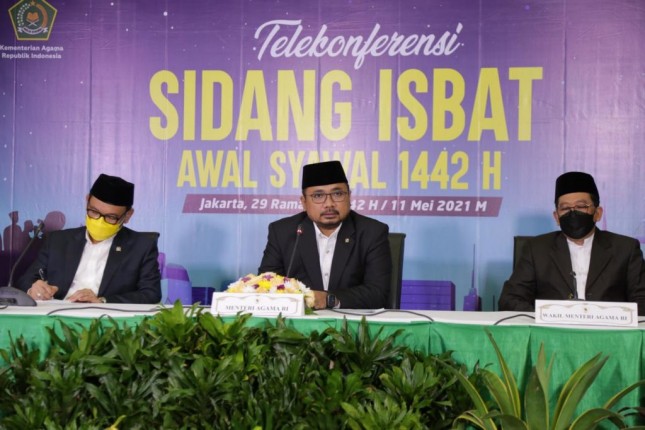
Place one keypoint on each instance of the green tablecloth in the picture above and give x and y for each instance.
(519, 345)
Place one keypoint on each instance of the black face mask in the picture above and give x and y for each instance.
(576, 224)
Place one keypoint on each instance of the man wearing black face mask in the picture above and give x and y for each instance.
(580, 262)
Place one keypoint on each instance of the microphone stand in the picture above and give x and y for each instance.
(10, 296)
(295, 247)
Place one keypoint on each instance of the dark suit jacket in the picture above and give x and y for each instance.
(131, 273)
(616, 272)
(360, 269)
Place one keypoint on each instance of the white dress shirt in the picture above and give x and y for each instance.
(326, 247)
(580, 261)
(90, 270)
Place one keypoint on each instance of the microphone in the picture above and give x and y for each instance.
(575, 286)
(13, 296)
(295, 246)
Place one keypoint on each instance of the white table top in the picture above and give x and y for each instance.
(119, 310)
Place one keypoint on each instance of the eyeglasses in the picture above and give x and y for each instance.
(336, 196)
(579, 207)
(109, 218)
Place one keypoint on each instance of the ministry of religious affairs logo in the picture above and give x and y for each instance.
(32, 19)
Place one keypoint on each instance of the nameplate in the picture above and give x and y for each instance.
(267, 305)
(616, 314)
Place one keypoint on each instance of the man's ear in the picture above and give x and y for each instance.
(302, 202)
(597, 216)
(556, 218)
(128, 215)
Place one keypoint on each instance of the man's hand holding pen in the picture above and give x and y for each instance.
(41, 290)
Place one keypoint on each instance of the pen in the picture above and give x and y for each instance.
(41, 273)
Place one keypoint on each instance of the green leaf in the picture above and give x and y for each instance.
(536, 404)
(476, 420)
(574, 389)
(481, 410)
(536, 393)
(510, 422)
(616, 397)
(500, 392)
(509, 379)
(593, 417)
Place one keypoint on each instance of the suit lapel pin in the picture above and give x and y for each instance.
(118, 249)
(347, 240)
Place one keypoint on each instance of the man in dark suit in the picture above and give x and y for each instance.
(341, 255)
(581, 261)
(102, 262)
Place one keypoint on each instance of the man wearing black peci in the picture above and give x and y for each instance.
(102, 262)
(341, 255)
(580, 261)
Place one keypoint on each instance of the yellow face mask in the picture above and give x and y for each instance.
(99, 230)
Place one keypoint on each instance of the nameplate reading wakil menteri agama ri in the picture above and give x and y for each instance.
(267, 305)
(617, 314)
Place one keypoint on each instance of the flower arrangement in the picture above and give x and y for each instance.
(271, 283)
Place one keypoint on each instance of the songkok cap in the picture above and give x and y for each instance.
(113, 190)
(325, 173)
(575, 182)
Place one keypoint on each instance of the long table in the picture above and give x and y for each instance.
(518, 337)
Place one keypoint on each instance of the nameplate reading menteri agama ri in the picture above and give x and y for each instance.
(268, 305)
